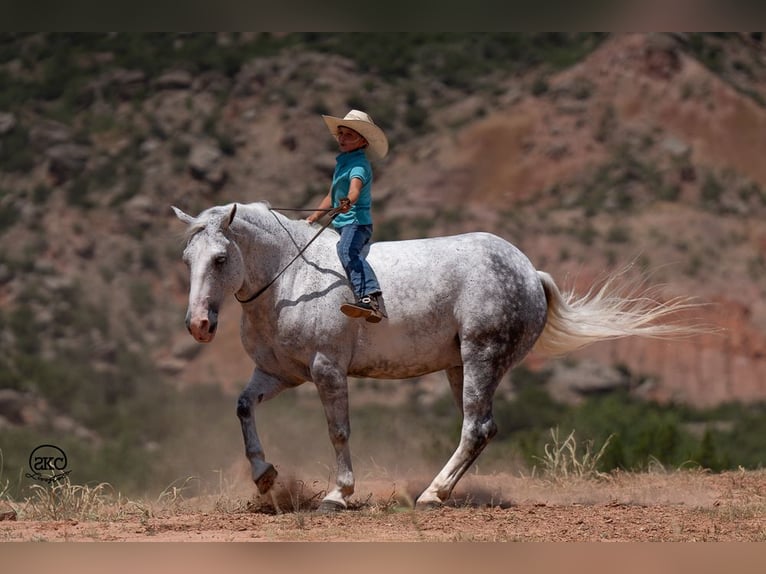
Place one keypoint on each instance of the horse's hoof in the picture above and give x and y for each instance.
(428, 505)
(265, 481)
(330, 507)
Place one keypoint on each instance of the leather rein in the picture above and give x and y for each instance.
(332, 212)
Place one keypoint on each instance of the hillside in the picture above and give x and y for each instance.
(589, 152)
(638, 153)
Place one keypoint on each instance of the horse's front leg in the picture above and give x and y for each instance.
(261, 388)
(332, 387)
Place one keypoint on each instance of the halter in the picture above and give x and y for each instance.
(333, 213)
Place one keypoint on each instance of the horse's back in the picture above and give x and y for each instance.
(454, 266)
(444, 292)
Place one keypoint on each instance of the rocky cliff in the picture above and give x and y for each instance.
(646, 150)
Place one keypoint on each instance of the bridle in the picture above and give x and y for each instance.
(332, 212)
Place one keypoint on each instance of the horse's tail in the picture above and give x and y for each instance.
(608, 313)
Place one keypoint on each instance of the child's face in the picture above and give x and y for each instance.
(349, 140)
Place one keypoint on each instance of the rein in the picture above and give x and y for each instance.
(333, 213)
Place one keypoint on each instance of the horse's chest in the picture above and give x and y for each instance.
(287, 338)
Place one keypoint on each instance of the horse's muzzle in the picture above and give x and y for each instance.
(203, 327)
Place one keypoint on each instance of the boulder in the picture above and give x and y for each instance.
(205, 164)
(20, 409)
(174, 80)
(7, 512)
(661, 57)
(48, 133)
(66, 160)
(572, 383)
(126, 83)
(7, 123)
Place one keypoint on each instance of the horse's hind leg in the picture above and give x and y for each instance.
(480, 379)
(455, 378)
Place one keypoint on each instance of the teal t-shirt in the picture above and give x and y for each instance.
(349, 165)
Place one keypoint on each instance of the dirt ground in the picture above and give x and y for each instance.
(681, 506)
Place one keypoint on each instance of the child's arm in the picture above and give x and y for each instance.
(354, 189)
(322, 209)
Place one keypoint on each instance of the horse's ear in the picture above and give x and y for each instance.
(227, 220)
(181, 215)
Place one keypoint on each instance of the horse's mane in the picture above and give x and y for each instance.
(246, 211)
(252, 212)
(218, 211)
(249, 213)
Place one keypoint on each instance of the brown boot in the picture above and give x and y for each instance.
(367, 307)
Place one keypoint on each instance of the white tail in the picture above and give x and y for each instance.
(607, 313)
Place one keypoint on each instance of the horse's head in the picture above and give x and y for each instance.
(215, 268)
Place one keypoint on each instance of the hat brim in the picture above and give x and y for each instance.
(376, 139)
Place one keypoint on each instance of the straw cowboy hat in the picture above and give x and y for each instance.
(361, 123)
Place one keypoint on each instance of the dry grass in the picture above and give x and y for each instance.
(569, 501)
(663, 505)
(62, 500)
(563, 459)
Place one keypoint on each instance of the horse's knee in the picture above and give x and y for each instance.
(244, 406)
(487, 429)
(339, 435)
(491, 430)
(479, 434)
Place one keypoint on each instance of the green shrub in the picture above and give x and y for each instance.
(618, 234)
(141, 297)
(707, 51)
(40, 194)
(461, 60)
(642, 433)
(540, 86)
(416, 118)
(16, 154)
(9, 215)
(78, 192)
(712, 191)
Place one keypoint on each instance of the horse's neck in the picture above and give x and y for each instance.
(267, 231)
(268, 242)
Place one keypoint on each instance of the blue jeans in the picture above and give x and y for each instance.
(353, 239)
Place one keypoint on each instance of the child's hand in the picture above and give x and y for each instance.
(345, 205)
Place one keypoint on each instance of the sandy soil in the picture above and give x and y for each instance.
(670, 507)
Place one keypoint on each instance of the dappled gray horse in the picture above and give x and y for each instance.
(471, 305)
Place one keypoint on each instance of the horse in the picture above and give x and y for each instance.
(471, 305)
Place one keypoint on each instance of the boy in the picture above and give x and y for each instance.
(351, 191)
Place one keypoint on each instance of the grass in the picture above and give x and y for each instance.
(5, 487)
(563, 459)
(62, 500)
(486, 507)
(748, 507)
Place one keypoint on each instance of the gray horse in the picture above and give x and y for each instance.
(471, 305)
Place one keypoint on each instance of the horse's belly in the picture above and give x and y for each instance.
(402, 358)
(387, 370)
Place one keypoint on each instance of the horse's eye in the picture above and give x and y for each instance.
(220, 259)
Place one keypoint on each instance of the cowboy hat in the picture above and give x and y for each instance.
(361, 123)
